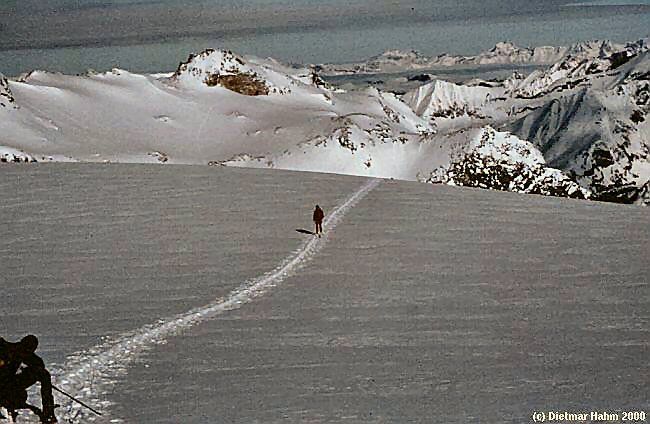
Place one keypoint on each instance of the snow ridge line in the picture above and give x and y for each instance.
(91, 375)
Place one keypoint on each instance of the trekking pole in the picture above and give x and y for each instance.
(75, 399)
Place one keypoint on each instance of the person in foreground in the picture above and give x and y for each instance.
(20, 368)
(318, 220)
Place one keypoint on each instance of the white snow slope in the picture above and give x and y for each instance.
(188, 118)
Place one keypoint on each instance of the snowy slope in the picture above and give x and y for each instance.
(202, 114)
(586, 114)
(446, 105)
(7, 101)
(598, 131)
(423, 301)
(223, 109)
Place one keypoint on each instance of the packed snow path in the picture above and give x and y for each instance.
(90, 375)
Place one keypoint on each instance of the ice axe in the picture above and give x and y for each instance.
(75, 399)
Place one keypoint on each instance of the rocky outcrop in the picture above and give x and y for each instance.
(245, 75)
(500, 161)
(8, 154)
(6, 97)
(476, 170)
(246, 84)
(222, 68)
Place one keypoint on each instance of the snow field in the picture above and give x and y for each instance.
(89, 375)
(427, 301)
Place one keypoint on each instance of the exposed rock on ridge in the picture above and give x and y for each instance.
(245, 75)
(501, 161)
(6, 97)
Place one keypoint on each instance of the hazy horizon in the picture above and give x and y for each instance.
(154, 35)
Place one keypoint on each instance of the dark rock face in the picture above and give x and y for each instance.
(6, 97)
(618, 59)
(602, 158)
(637, 117)
(627, 194)
(246, 84)
(548, 127)
(643, 195)
(420, 78)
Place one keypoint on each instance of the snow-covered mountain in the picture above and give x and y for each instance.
(503, 53)
(217, 108)
(405, 60)
(585, 115)
(581, 61)
(217, 105)
(596, 127)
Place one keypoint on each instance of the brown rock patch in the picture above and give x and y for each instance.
(245, 84)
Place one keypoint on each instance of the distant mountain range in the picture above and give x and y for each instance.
(504, 53)
(577, 129)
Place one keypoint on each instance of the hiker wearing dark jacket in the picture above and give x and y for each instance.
(318, 220)
(21, 368)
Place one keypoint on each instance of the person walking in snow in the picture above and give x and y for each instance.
(318, 220)
(21, 368)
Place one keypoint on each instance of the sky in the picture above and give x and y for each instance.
(154, 35)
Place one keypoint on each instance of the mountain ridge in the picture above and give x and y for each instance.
(503, 53)
(220, 108)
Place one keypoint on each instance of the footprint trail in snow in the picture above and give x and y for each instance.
(91, 375)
